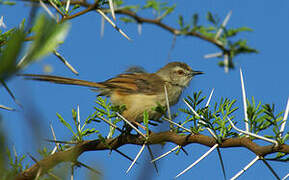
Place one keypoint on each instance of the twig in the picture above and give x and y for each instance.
(198, 160)
(65, 62)
(57, 9)
(89, 8)
(157, 22)
(6, 108)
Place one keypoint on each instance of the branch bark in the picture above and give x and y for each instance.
(74, 152)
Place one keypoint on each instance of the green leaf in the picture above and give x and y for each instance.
(88, 132)
(181, 21)
(73, 8)
(66, 124)
(48, 35)
(10, 54)
(286, 137)
(146, 120)
(211, 18)
(7, 3)
(127, 20)
(195, 20)
(234, 32)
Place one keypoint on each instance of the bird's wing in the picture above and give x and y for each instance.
(136, 83)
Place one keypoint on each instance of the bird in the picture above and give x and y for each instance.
(138, 91)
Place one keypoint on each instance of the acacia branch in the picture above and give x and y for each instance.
(74, 152)
(91, 7)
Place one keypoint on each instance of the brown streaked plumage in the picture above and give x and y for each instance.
(138, 91)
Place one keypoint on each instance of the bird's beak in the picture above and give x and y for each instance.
(197, 73)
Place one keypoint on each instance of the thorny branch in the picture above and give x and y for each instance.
(74, 152)
(139, 19)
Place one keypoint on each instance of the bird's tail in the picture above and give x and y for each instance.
(62, 80)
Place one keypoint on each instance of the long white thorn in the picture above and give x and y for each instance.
(112, 9)
(65, 62)
(167, 103)
(67, 5)
(46, 9)
(53, 150)
(210, 97)
(244, 101)
(284, 118)
(226, 63)
(111, 124)
(54, 137)
(180, 126)
(213, 55)
(165, 154)
(198, 160)
(135, 159)
(2, 24)
(78, 118)
(191, 108)
(129, 123)
(112, 23)
(102, 26)
(245, 168)
(252, 134)
(226, 20)
(139, 28)
(285, 177)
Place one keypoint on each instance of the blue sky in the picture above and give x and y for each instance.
(97, 59)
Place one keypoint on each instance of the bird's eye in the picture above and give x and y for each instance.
(180, 72)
